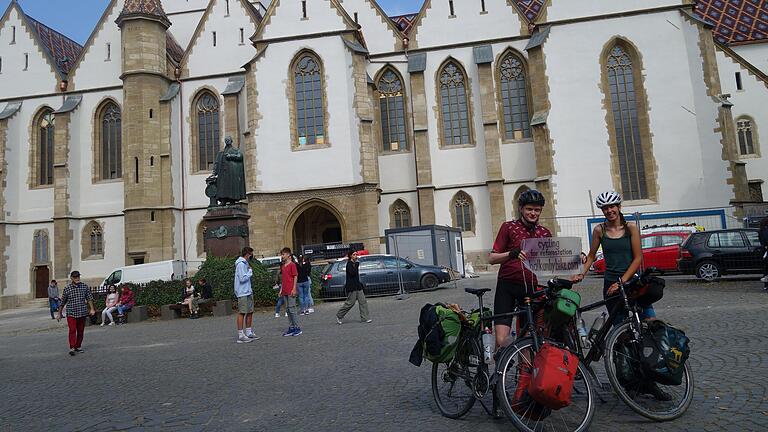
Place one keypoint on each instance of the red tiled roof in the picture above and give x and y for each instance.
(736, 21)
(144, 7)
(404, 22)
(61, 50)
(530, 8)
(150, 8)
(174, 50)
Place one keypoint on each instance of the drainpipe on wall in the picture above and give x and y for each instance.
(177, 72)
(413, 133)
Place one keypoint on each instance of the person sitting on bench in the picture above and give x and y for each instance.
(205, 292)
(125, 304)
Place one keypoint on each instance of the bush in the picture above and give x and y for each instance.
(158, 293)
(220, 273)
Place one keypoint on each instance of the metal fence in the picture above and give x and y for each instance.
(707, 255)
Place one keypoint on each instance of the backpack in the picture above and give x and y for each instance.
(439, 329)
(554, 371)
(522, 403)
(665, 350)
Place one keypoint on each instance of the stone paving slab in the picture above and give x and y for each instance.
(189, 375)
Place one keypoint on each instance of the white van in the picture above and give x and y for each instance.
(143, 273)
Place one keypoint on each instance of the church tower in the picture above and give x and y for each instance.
(149, 217)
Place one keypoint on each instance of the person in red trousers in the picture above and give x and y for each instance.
(78, 299)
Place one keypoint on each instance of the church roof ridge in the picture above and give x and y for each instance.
(146, 8)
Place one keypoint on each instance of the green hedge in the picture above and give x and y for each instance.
(220, 273)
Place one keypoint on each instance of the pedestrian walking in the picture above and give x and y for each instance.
(278, 284)
(53, 297)
(354, 289)
(289, 291)
(305, 285)
(78, 299)
(764, 243)
(244, 294)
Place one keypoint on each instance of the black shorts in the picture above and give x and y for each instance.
(508, 295)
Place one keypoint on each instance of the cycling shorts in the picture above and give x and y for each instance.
(508, 296)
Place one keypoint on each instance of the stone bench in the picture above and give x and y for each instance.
(178, 310)
(136, 314)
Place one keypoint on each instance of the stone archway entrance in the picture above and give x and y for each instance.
(316, 225)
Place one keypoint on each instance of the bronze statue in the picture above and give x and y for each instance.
(227, 183)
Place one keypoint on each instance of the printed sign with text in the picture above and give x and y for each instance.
(553, 256)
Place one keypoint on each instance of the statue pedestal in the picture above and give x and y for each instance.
(226, 230)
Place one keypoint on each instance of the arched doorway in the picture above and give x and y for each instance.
(315, 225)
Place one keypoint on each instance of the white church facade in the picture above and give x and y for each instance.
(352, 122)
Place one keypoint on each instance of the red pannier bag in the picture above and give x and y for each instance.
(522, 402)
(554, 371)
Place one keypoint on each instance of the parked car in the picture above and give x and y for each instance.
(660, 250)
(712, 254)
(379, 274)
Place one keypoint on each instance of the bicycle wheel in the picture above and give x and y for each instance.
(515, 367)
(453, 384)
(618, 351)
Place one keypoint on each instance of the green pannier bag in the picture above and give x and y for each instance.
(450, 323)
(564, 306)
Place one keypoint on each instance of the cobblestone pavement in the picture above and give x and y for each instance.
(190, 375)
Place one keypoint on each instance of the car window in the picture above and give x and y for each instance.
(115, 277)
(341, 267)
(753, 238)
(371, 264)
(730, 239)
(671, 240)
(648, 242)
(394, 262)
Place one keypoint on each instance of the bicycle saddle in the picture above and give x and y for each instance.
(477, 291)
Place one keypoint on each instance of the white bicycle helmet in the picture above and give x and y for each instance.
(608, 198)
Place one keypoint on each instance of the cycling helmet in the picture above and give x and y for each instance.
(608, 198)
(531, 197)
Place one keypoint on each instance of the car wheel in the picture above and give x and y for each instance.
(429, 282)
(708, 270)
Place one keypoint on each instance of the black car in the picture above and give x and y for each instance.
(711, 254)
(381, 275)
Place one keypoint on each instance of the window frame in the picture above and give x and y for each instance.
(297, 121)
(379, 96)
(399, 204)
(467, 95)
(214, 129)
(461, 195)
(510, 52)
(100, 158)
(639, 137)
(37, 157)
(753, 136)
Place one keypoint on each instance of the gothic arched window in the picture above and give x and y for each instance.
(746, 135)
(463, 212)
(96, 240)
(454, 105)
(400, 215)
(208, 130)
(624, 94)
(110, 142)
(309, 100)
(514, 97)
(43, 147)
(392, 111)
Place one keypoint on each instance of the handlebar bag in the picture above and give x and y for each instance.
(564, 306)
(665, 350)
(651, 292)
(554, 371)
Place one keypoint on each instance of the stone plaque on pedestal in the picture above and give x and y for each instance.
(226, 230)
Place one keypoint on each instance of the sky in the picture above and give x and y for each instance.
(77, 18)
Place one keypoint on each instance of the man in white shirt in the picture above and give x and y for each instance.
(244, 294)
